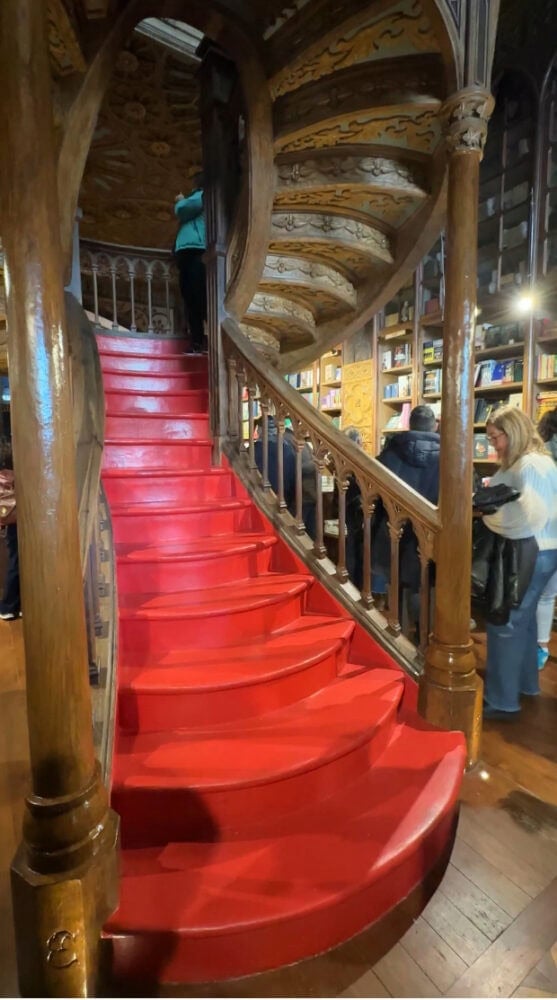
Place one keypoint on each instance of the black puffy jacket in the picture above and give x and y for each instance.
(413, 456)
(501, 571)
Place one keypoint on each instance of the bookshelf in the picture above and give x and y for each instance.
(321, 384)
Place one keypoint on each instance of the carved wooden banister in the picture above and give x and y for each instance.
(335, 454)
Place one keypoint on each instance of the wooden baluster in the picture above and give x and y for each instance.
(167, 300)
(366, 597)
(150, 330)
(251, 424)
(424, 601)
(342, 572)
(393, 613)
(131, 275)
(319, 546)
(95, 271)
(265, 416)
(450, 690)
(233, 430)
(240, 404)
(280, 464)
(300, 526)
(64, 875)
(114, 296)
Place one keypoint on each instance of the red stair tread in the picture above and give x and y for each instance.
(179, 507)
(337, 847)
(281, 653)
(138, 472)
(193, 548)
(247, 594)
(151, 441)
(324, 726)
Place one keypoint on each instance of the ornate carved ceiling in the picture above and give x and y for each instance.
(146, 148)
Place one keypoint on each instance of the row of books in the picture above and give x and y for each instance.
(545, 402)
(494, 372)
(399, 389)
(483, 408)
(301, 380)
(332, 373)
(398, 357)
(483, 449)
(331, 400)
(432, 350)
(546, 366)
(433, 381)
(491, 335)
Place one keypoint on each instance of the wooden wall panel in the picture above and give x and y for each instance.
(357, 400)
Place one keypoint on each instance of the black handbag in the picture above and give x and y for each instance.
(488, 499)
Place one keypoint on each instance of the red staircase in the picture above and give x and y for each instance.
(276, 789)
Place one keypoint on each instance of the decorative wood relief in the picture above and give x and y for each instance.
(146, 148)
(357, 400)
(375, 172)
(303, 26)
(281, 315)
(386, 210)
(363, 87)
(63, 38)
(401, 126)
(315, 279)
(353, 264)
(402, 31)
(359, 236)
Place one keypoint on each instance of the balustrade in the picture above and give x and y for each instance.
(131, 289)
(251, 384)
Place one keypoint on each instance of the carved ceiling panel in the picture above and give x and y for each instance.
(403, 30)
(374, 171)
(346, 258)
(146, 148)
(313, 278)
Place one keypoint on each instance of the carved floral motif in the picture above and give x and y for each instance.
(411, 130)
(368, 240)
(465, 117)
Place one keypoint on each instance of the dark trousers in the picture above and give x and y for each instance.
(10, 601)
(194, 291)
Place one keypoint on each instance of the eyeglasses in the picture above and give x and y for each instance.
(492, 438)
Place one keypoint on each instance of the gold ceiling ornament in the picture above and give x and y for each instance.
(465, 117)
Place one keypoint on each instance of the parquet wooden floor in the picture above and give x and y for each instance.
(489, 930)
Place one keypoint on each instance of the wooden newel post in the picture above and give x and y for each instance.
(451, 691)
(217, 76)
(64, 873)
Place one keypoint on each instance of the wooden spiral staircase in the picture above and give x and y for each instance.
(343, 182)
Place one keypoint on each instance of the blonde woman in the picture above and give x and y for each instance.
(512, 668)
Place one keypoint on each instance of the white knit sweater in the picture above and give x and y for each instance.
(535, 512)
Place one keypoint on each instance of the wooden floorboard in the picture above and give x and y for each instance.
(489, 930)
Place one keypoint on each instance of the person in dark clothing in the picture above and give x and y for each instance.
(289, 472)
(413, 456)
(10, 605)
(189, 247)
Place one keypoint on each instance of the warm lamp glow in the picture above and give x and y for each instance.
(525, 304)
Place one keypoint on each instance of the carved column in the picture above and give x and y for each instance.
(64, 874)
(216, 75)
(451, 691)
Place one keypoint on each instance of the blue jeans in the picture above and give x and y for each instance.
(512, 667)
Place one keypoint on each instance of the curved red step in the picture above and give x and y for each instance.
(151, 521)
(175, 426)
(195, 912)
(180, 785)
(152, 624)
(194, 563)
(152, 382)
(140, 454)
(155, 364)
(196, 688)
(132, 401)
(137, 485)
(109, 343)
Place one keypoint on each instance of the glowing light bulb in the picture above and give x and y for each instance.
(525, 304)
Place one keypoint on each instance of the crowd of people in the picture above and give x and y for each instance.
(516, 648)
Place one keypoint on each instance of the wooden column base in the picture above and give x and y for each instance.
(451, 692)
(58, 919)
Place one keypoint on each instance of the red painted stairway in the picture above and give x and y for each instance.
(277, 791)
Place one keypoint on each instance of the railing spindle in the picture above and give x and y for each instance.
(251, 427)
(131, 273)
(319, 547)
(342, 572)
(280, 464)
(300, 526)
(240, 405)
(366, 597)
(424, 602)
(149, 301)
(114, 297)
(393, 614)
(265, 428)
(233, 429)
(95, 271)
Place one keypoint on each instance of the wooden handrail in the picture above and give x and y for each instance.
(249, 375)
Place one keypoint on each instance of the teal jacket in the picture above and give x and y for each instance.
(189, 211)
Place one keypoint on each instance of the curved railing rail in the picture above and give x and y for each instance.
(256, 392)
(132, 288)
